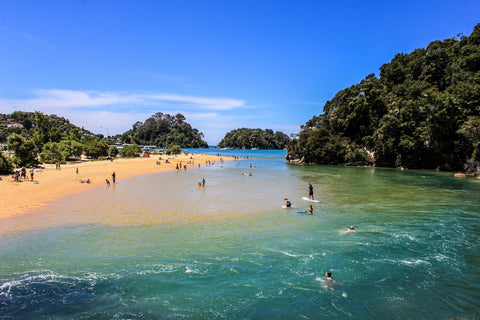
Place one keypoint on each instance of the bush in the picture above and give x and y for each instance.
(130, 150)
(95, 149)
(51, 153)
(5, 165)
(174, 149)
(113, 151)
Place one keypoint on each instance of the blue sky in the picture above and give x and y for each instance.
(222, 64)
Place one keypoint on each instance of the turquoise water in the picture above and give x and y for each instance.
(160, 247)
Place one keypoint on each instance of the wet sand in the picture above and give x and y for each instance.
(49, 183)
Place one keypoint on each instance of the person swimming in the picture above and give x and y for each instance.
(288, 204)
(351, 229)
(310, 209)
(329, 281)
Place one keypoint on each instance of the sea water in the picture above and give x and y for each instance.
(159, 246)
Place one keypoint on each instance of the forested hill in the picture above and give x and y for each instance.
(48, 127)
(254, 138)
(422, 112)
(164, 129)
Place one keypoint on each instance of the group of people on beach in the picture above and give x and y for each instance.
(21, 174)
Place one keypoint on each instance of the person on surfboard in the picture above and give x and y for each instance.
(310, 191)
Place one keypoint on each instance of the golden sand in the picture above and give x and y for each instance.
(49, 183)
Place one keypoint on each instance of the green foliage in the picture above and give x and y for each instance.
(25, 151)
(112, 151)
(164, 129)
(71, 149)
(130, 150)
(174, 149)
(95, 148)
(51, 153)
(5, 164)
(254, 138)
(423, 112)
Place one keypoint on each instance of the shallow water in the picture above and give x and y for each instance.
(161, 247)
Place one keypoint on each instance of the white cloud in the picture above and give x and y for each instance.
(201, 102)
(58, 98)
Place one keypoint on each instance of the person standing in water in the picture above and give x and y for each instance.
(113, 177)
(203, 182)
(310, 191)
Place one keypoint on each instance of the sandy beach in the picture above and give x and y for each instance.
(50, 183)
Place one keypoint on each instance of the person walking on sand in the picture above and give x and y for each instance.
(113, 177)
(310, 191)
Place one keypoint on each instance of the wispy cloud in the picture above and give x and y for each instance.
(58, 98)
(9, 33)
(202, 102)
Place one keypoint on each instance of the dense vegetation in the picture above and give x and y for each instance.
(422, 112)
(163, 130)
(254, 138)
(35, 136)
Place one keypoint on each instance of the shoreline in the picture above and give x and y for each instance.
(51, 184)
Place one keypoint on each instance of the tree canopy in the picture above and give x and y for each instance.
(422, 112)
(163, 130)
(254, 138)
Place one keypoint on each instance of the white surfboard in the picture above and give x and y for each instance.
(310, 200)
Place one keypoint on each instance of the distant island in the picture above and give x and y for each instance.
(164, 129)
(422, 112)
(254, 139)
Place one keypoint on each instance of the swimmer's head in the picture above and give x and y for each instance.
(352, 228)
(328, 274)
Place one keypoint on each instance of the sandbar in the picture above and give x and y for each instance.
(50, 183)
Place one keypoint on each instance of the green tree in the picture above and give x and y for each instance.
(113, 151)
(174, 149)
(25, 151)
(5, 164)
(94, 149)
(131, 150)
(71, 149)
(52, 153)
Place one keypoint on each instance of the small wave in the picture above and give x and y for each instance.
(285, 253)
(188, 270)
(289, 254)
(158, 269)
(414, 262)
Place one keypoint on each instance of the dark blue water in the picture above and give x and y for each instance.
(160, 247)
